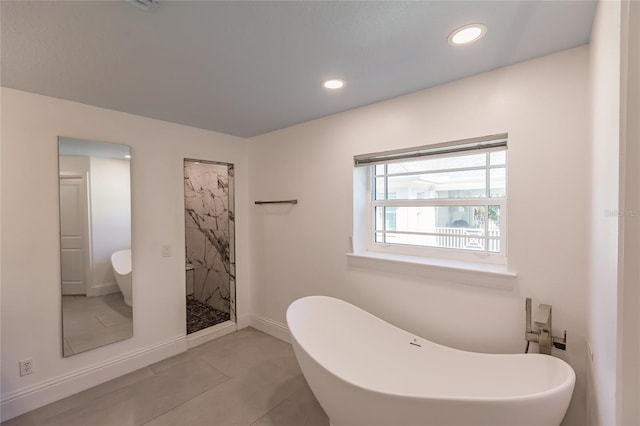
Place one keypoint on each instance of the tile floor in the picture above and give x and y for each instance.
(91, 322)
(245, 378)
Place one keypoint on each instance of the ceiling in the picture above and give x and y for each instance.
(247, 68)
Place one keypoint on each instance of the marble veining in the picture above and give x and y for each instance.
(209, 227)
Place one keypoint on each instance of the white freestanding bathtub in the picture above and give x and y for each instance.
(121, 263)
(365, 371)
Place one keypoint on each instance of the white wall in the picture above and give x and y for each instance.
(300, 250)
(110, 217)
(603, 289)
(628, 387)
(30, 314)
(614, 296)
(72, 165)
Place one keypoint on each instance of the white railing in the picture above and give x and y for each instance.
(467, 238)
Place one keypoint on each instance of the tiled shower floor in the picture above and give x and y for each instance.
(201, 315)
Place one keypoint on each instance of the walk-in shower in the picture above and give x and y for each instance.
(210, 243)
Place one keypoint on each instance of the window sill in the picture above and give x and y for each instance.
(476, 274)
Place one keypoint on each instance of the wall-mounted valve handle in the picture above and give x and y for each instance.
(542, 336)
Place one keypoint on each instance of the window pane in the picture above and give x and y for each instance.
(379, 218)
(498, 179)
(466, 184)
(379, 169)
(494, 220)
(468, 218)
(459, 227)
(494, 229)
(388, 215)
(415, 219)
(390, 218)
(498, 158)
(412, 239)
(379, 190)
(474, 243)
(454, 220)
(440, 163)
(379, 237)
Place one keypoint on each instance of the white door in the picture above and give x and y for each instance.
(73, 239)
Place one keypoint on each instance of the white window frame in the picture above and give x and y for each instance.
(451, 149)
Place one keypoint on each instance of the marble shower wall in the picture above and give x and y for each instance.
(209, 227)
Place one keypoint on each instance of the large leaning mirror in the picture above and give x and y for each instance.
(95, 243)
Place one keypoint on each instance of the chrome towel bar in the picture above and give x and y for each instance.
(278, 202)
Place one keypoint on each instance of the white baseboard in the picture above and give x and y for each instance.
(269, 326)
(35, 396)
(73, 289)
(48, 391)
(211, 333)
(244, 321)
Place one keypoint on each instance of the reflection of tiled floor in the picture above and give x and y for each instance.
(90, 322)
(200, 315)
(244, 378)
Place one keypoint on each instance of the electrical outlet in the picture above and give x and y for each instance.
(26, 366)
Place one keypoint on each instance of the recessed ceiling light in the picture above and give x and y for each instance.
(467, 34)
(333, 84)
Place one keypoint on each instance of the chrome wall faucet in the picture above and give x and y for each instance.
(543, 335)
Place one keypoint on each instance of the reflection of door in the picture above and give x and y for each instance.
(73, 247)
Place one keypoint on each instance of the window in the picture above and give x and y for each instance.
(446, 200)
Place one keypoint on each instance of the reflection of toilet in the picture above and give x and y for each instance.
(121, 262)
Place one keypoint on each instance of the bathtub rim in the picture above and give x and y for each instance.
(568, 382)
